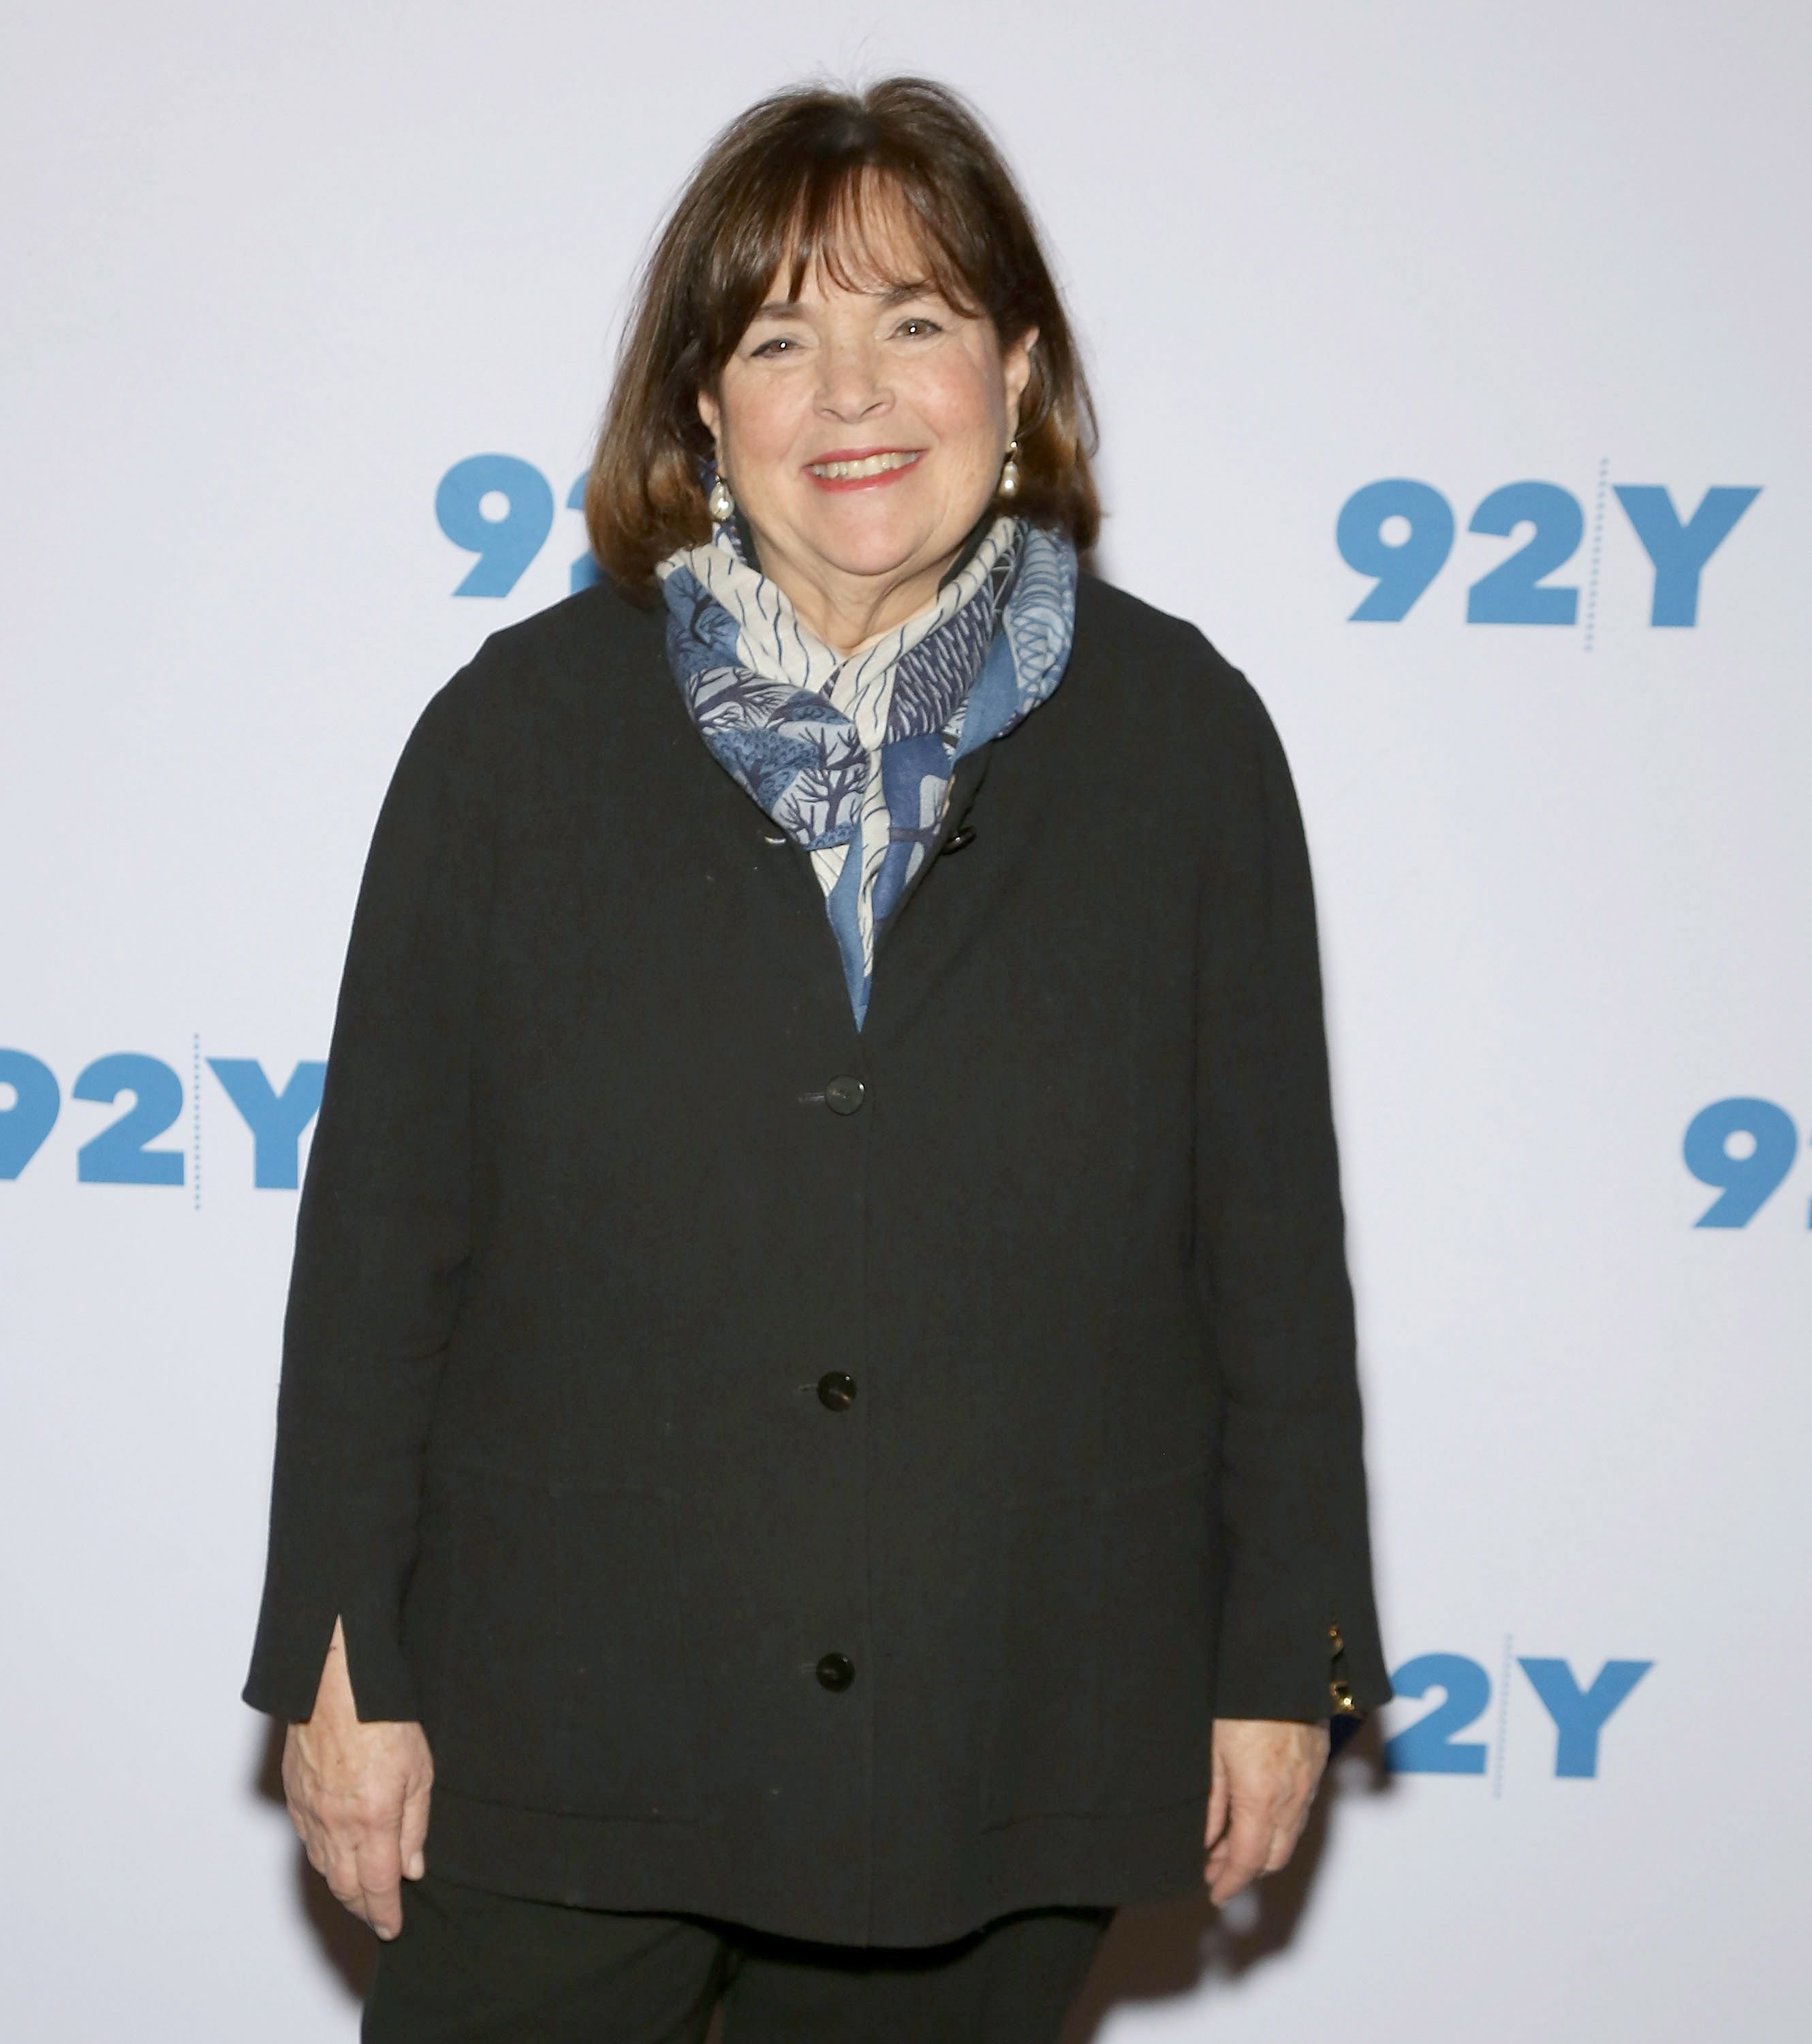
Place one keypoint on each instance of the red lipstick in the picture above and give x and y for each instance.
(904, 460)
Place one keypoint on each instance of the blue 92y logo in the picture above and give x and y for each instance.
(1399, 532)
(501, 508)
(1578, 1711)
(122, 1152)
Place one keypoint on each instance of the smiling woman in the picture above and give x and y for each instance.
(819, 1449)
(885, 238)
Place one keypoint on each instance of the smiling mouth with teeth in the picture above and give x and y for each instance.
(866, 469)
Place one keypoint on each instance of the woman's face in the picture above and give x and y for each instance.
(861, 431)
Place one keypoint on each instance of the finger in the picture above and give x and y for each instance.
(380, 1880)
(1233, 1880)
(1217, 1873)
(339, 1869)
(1248, 1841)
(1217, 1803)
(414, 1836)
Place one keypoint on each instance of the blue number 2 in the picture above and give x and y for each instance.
(1428, 1746)
(1512, 593)
(117, 1156)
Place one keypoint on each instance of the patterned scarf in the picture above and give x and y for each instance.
(852, 756)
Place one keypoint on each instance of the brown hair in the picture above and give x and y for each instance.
(803, 174)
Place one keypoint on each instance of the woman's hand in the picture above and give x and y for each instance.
(1262, 1781)
(357, 1797)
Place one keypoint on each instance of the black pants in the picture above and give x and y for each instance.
(473, 1968)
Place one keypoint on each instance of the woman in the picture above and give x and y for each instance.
(820, 1357)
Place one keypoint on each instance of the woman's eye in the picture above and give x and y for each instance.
(918, 325)
(773, 347)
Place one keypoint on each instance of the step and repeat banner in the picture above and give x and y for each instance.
(1450, 364)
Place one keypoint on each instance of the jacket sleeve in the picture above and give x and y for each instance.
(383, 1235)
(1299, 1632)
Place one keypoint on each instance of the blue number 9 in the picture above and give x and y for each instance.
(36, 1100)
(505, 544)
(1747, 1181)
(1401, 570)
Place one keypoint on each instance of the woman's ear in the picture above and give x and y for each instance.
(711, 412)
(1015, 372)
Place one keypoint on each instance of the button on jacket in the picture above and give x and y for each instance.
(821, 1478)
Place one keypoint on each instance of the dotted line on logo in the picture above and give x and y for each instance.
(195, 1114)
(1502, 1722)
(1597, 542)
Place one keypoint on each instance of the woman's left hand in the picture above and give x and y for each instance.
(1263, 1779)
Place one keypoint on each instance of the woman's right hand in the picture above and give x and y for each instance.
(357, 1796)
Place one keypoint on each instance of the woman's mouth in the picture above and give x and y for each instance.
(861, 468)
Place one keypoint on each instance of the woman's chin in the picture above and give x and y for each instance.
(868, 545)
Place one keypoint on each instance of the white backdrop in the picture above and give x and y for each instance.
(271, 272)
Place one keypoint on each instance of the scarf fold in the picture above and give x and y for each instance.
(852, 755)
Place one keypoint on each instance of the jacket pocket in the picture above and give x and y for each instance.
(1100, 1696)
(560, 1680)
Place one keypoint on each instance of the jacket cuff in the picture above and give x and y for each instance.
(294, 1633)
(1309, 1654)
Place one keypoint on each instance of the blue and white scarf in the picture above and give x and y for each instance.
(852, 755)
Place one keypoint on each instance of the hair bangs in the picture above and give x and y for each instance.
(868, 227)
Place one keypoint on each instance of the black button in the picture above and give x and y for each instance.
(844, 1095)
(963, 835)
(836, 1671)
(773, 837)
(835, 1389)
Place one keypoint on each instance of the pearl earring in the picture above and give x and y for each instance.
(720, 504)
(1009, 483)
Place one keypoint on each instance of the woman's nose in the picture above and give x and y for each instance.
(850, 384)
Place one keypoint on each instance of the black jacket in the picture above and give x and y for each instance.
(824, 1479)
